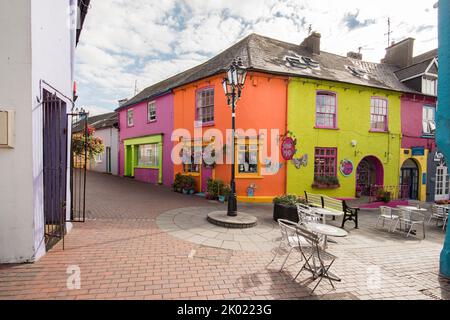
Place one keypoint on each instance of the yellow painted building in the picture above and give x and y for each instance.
(342, 126)
(417, 163)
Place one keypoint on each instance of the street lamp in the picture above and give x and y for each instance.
(232, 86)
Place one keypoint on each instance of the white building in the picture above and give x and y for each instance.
(38, 40)
(106, 128)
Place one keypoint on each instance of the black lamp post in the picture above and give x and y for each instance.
(232, 86)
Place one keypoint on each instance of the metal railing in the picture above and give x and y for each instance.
(399, 192)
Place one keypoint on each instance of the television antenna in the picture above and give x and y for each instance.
(388, 34)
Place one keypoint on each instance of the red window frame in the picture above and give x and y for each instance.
(325, 162)
(378, 111)
(326, 110)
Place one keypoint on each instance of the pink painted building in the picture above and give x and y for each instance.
(415, 111)
(146, 125)
(422, 168)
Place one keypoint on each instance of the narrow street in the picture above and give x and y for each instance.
(122, 253)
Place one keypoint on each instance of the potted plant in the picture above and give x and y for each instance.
(325, 182)
(285, 207)
(177, 184)
(213, 188)
(224, 193)
(188, 185)
(251, 190)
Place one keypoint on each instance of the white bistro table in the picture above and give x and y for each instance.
(324, 213)
(326, 231)
(412, 208)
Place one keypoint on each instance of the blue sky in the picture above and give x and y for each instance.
(147, 41)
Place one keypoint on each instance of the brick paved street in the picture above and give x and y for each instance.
(123, 254)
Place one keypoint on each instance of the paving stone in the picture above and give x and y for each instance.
(124, 253)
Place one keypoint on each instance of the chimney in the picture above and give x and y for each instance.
(312, 43)
(400, 54)
(354, 55)
(122, 102)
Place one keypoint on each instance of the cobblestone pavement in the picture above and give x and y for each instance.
(121, 253)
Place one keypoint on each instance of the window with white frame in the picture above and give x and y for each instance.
(151, 111)
(148, 155)
(429, 86)
(205, 105)
(326, 110)
(428, 120)
(378, 114)
(130, 118)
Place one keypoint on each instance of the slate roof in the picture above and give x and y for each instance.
(260, 53)
(102, 121)
(421, 63)
(426, 56)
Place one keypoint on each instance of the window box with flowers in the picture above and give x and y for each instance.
(326, 182)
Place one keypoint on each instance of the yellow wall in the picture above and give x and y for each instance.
(421, 162)
(353, 122)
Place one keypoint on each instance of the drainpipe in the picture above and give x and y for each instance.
(443, 113)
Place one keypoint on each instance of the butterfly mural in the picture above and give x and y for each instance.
(300, 162)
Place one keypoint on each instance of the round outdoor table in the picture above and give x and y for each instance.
(326, 231)
(326, 213)
(412, 208)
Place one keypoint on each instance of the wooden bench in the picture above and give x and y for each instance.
(328, 203)
(314, 199)
(350, 214)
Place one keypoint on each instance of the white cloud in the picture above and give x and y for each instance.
(150, 40)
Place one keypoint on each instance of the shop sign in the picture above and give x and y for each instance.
(288, 149)
(419, 151)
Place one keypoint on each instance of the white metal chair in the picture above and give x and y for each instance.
(411, 219)
(437, 213)
(289, 239)
(317, 260)
(386, 213)
(306, 214)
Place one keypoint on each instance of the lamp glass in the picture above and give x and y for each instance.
(225, 86)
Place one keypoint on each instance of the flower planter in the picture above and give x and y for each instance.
(325, 186)
(222, 199)
(185, 191)
(285, 212)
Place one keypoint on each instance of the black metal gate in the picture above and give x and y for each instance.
(78, 165)
(55, 167)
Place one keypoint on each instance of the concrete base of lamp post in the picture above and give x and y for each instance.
(241, 221)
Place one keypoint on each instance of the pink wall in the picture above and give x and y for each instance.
(411, 111)
(146, 175)
(162, 125)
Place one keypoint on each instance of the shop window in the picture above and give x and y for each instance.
(148, 155)
(247, 158)
(325, 162)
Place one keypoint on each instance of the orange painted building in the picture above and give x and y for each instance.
(202, 104)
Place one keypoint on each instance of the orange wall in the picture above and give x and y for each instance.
(262, 106)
